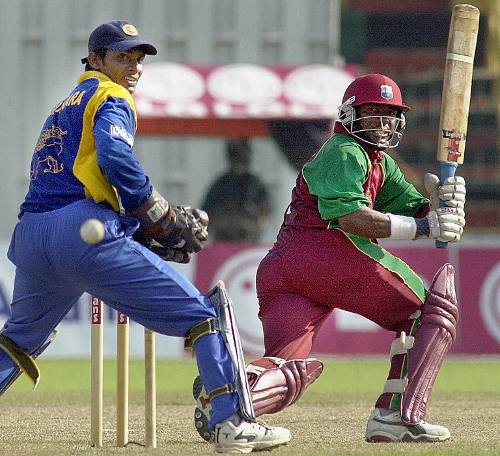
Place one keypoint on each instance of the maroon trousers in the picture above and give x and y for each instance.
(307, 274)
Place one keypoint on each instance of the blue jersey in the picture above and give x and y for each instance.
(85, 150)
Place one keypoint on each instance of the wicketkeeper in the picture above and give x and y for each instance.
(326, 256)
(84, 167)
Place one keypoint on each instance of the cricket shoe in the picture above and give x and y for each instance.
(386, 426)
(202, 411)
(237, 435)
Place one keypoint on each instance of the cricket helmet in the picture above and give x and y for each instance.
(372, 89)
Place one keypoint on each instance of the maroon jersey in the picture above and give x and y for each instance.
(343, 177)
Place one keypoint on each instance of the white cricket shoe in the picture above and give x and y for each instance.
(237, 435)
(202, 411)
(386, 426)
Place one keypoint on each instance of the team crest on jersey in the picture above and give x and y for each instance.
(51, 137)
(386, 92)
(130, 30)
(48, 149)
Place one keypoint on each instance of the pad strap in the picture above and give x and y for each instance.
(226, 389)
(209, 326)
(402, 344)
(25, 362)
(395, 385)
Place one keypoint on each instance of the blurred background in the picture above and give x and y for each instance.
(42, 41)
(185, 151)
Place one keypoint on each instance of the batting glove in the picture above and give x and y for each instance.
(444, 224)
(452, 192)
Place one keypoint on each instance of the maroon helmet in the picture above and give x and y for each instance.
(372, 89)
(375, 88)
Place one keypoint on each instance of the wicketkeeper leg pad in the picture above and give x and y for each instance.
(277, 387)
(24, 362)
(225, 323)
(433, 339)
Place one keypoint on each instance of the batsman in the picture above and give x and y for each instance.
(326, 256)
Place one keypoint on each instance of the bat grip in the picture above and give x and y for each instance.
(446, 170)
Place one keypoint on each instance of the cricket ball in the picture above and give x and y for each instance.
(92, 231)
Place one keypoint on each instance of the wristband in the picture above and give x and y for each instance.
(423, 228)
(402, 227)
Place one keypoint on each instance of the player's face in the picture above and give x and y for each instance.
(378, 121)
(123, 67)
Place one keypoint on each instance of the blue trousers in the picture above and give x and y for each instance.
(54, 267)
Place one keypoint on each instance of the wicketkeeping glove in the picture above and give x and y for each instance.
(173, 232)
(195, 233)
(165, 253)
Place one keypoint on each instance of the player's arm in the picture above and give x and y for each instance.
(412, 216)
(177, 227)
(336, 176)
(341, 199)
(367, 223)
(445, 223)
(114, 130)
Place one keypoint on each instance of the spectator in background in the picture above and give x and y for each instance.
(237, 202)
(298, 140)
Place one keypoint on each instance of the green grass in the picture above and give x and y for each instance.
(459, 375)
(74, 375)
(363, 375)
(328, 420)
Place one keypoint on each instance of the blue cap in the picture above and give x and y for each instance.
(118, 36)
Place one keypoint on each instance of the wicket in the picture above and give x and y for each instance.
(122, 360)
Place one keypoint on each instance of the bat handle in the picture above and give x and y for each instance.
(446, 170)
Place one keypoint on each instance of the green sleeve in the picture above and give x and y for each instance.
(336, 176)
(397, 195)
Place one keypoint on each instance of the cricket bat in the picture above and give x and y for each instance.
(457, 85)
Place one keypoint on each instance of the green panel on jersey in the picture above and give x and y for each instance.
(390, 262)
